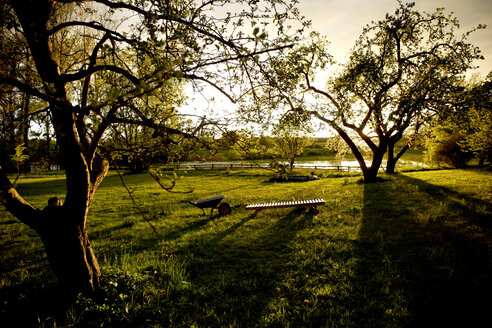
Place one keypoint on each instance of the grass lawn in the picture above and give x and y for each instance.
(413, 250)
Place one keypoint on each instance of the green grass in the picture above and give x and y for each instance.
(412, 250)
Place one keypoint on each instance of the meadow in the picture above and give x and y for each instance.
(413, 250)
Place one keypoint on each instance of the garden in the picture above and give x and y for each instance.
(411, 250)
(117, 116)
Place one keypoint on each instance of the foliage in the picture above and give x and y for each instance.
(140, 146)
(20, 155)
(472, 117)
(17, 109)
(443, 146)
(478, 140)
(399, 71)
(338, 145)
(464, 128)
(290, 142)
(245, 145)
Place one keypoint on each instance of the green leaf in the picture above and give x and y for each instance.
(19, 155)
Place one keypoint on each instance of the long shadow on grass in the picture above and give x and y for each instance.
(104, 233)
(177, 233)
(31, 292)
(472, 209)
(32, 304)
(43, 187)
(235, 278)
(421, 264)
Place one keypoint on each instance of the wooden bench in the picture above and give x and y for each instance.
(310, 204)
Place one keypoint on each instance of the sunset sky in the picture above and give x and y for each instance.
(341, 21)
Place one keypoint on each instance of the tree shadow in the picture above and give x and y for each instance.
(28, 188)
(33, 304)
(424, 256)
(103, 233)
(177, 233)
(472, 209)
(7, 222)
(236, 279)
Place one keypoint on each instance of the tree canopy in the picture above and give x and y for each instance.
(398, 73)
(99, 64)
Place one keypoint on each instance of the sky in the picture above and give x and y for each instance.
(342, 21)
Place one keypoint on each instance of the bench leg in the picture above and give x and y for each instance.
(313, 210)
(255, 213)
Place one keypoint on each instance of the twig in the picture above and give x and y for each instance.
(130, 193)
(157, 178)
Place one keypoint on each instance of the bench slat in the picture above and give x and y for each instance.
(318, 201)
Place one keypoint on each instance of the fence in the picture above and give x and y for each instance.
(223, 166)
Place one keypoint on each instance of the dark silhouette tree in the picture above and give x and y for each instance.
(399, 71)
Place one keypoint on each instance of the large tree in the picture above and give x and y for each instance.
(130, 49)
(398, 70)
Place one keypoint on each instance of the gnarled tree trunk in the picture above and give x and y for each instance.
(371, 173)
(64, 237)
(68, 250)
(61, 228)
(392, 158)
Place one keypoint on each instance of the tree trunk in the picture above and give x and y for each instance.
(62, 228)
(391, 162)
(291, 163)
(136, 165)
(24, 127)
(48, 139)
(481, 160)
(392, 159)
(68, 250)
(390, 166)
(66, 242)
(371, 173)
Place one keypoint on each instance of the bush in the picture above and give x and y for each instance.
(443, 147)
